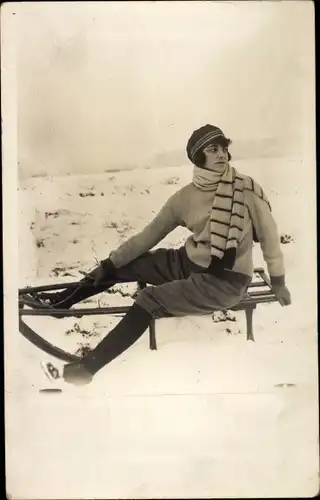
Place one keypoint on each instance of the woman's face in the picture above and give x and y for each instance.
(216, 158)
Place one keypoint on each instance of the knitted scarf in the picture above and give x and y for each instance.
(206, 180)
(227, 213)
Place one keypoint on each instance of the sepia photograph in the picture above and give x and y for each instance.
(160, 242)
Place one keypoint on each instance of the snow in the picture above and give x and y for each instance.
(208, 413)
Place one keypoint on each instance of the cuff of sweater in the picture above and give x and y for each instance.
(277, 280)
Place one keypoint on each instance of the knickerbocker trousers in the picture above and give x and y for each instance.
(178, 287)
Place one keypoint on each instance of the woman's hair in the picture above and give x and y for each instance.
(199, 158)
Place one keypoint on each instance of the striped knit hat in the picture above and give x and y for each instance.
(202, 137)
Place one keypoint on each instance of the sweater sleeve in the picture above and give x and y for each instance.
(267, 232)
(165, 221)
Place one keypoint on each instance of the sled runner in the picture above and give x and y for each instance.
(258, 292)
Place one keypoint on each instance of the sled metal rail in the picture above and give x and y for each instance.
(258, 292)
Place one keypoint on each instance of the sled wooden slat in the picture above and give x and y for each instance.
(65, 286)
(256, 284)
(257, 300)
(259, 293)
(74, 312)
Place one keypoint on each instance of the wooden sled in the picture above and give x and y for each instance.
(256, 294)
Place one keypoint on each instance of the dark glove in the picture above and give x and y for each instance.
(101, 272)
(280, 290)
(282, 294)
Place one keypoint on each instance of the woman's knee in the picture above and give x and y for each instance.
(147, 300)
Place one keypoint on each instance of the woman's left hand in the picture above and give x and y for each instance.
(282, 294)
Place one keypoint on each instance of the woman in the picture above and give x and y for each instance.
(225, 212)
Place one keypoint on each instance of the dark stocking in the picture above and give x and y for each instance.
(125, 334)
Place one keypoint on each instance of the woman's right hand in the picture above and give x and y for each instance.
(99, 274)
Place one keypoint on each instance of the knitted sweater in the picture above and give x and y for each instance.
(191, 207)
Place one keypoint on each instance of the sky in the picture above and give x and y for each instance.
(116, 84)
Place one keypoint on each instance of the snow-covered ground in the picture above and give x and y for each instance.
(208, 413)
